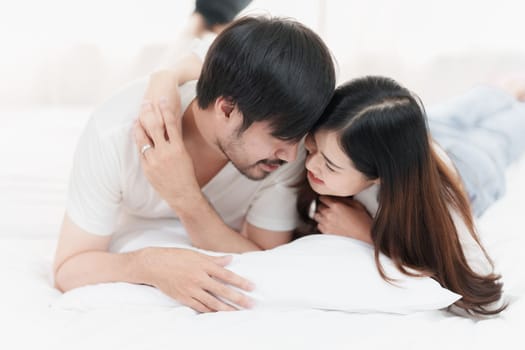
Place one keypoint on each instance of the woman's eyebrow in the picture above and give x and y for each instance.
(330, 162)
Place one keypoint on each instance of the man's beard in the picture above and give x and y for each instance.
(252, 171)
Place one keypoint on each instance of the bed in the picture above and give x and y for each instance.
(36, 148)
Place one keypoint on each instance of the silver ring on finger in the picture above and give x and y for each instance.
(144, 148)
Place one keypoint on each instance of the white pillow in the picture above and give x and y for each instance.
(325, 272)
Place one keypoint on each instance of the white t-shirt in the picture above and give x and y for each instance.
(108, 191)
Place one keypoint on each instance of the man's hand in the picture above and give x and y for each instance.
(166, 164)
(196, 280)
(344, 217)
(169, 169)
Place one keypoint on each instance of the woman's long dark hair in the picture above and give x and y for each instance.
(382, 128)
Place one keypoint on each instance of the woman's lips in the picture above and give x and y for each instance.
(315, 179)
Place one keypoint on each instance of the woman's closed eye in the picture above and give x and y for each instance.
(329, 167)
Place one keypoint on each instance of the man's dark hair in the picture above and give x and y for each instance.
(274, 70)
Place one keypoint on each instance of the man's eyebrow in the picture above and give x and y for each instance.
(330, 162)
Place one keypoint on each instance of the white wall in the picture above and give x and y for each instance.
(436, 47)
(58, 52)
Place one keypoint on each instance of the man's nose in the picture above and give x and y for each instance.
(288, 152)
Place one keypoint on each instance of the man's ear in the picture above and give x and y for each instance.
(224, 106)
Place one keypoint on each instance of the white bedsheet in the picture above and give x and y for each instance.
(32, 186)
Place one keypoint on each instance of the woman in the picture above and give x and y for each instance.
(372, 144)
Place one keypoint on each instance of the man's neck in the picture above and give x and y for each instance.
(200, 139)
(198, 129)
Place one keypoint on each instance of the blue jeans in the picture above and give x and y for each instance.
(482, 131)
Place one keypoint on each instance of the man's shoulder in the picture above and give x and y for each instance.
(121, 109)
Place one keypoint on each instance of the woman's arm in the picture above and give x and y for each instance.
(164, 84)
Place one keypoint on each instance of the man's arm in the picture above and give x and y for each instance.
(191, 278)
(94, 200)
(82, 259)
(208, 231)
(169, 169)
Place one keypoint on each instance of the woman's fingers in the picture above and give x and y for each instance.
(327, 201)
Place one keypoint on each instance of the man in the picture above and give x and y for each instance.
(264, 83)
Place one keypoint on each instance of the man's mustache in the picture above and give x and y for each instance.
(271, 162)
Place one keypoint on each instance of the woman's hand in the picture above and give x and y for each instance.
(344, 217)
(164, 158)
(163, 86)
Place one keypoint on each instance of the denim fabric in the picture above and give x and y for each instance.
(483, 131)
